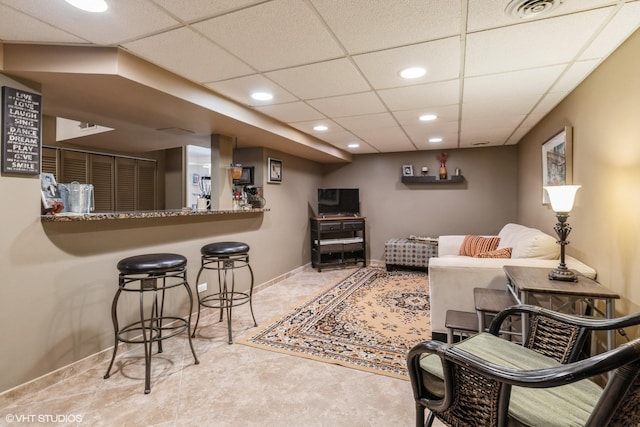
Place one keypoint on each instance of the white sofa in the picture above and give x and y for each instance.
(452, 277)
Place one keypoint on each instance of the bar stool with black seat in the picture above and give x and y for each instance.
(151, 275)
(225, 258)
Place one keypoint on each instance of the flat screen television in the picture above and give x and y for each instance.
(338, 201)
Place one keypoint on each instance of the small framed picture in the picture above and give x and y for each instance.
(50, 192)
(274, 171)
(407, 170)
(246, 178)
(557, 165)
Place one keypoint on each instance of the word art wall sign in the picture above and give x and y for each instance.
(21, 131)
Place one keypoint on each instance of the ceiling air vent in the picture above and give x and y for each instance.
(525, 9)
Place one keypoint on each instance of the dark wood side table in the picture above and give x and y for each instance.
(530, 284)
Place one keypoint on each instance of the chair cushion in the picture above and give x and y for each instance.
(568, 405)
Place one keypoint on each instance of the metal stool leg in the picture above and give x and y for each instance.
(193, 335)
(114, 319)
(146, 340)
(227, 298)
(193, 351)
(251, 294)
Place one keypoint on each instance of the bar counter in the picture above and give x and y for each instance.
(70, 217)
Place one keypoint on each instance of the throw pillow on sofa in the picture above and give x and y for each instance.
(498, 253)
(474, 245)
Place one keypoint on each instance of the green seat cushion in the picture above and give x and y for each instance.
(568, 405)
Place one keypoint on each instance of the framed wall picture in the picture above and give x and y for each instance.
(407, 170)
(557, 164)
(274, 171)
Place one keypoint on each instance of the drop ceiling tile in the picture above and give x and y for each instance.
(240, 90)
(625, 22)
(488, 123)
(364, 148)
(348, 105)
(291, 112)
(549, 101)
(440, 146)
(341, 139)
(123, 21)
(364, 25)
(534, 44)
(420, 134)
(500, 107)
(440, 58)
(531, 121)
(491, 129)
(273, 35)
(421, 96)
(487, 14)
(574, 75)
(16, 26)
(446, 113)
(331, 78)
(520, 133)
(495, 136)
(189, 10)
(307, 127)
(510, 85)
(367, 121)
(192, 56)
(387, 139)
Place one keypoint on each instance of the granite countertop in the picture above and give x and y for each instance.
(71, 217)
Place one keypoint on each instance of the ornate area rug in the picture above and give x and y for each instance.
(368, 321)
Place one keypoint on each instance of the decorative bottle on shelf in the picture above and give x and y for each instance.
(443, 165)
(443, 170)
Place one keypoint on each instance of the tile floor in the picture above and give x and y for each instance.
(234, 385)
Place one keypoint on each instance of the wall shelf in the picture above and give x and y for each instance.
(431, 179)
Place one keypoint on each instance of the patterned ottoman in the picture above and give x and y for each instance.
(410, 252)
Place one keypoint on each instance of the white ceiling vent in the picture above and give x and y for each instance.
(525, 9)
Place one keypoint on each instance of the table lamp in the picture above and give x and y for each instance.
(562, 198)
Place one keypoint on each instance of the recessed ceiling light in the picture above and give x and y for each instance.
(95, 6)
(262, 96)
(427, 117)
(435, 139)
(412, 72)
(353, 145)
(320, 128)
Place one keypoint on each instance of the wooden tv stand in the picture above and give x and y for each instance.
(338, 241)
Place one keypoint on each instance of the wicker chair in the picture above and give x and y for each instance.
(489, 381)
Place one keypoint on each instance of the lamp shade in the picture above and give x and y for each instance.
(562, 197)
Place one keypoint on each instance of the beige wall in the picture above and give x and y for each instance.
(481, 205)
(604, 112)
(58, 279)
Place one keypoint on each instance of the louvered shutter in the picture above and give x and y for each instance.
(125, 184)
(74, 167)
(146, 185)
(50, 161)
(102, 178)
